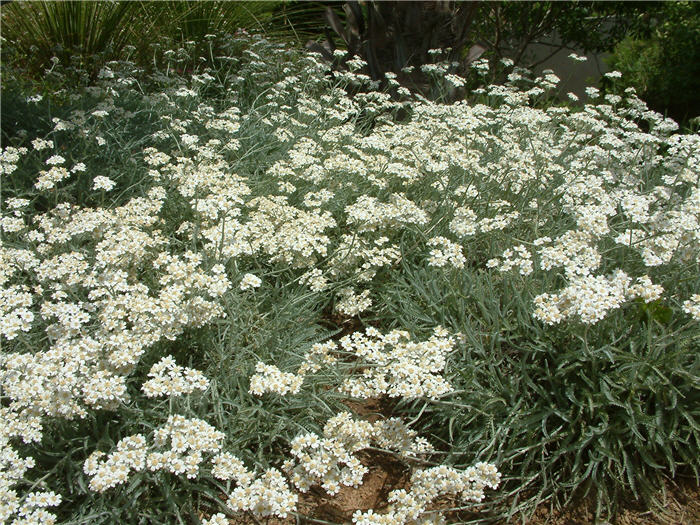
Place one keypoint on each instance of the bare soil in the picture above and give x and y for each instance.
(681, 506)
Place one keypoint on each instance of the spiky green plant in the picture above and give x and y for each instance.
(87, 30)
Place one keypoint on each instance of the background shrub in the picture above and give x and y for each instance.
(664, 65)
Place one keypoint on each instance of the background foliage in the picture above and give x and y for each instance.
(663, 62)
(655, 44)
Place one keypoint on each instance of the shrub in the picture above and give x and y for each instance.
(663, 67)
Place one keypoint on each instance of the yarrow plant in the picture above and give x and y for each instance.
(391, 365)
(167, 378)
(503, 266)
(410, 506)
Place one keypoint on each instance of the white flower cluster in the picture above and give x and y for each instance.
(268, 495)
(412, 506)
(464, 222)
(445, 253)
(170, 379)
(95, 344)
(15, 313)
(588, 297)
(103, 183)
(216, 519)
(393, 366)
(352, 304)
(278, 230)
(11, 224)
(592, 92)
(48, 179)
(397, 366)
(613, 74)
(368, 213)
(9, 158)
(360, 259)
(392, 434)
(41, 144)
(315, 280)
(32, 510)
(265, 496)
(330, 461)
(481, 66)
(645, 290)
(130, 455)
(189, 440)
(573, 250)
(517, 257)
(455, 80)
(577, 58)
(318, 198)
(29, 507)
(96, 287)
(673, 232)
(226, 466)
(692, 306)
(269, 378)
(249, 282)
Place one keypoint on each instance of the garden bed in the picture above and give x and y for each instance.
(267, 289)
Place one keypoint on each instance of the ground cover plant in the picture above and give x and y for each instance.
(227, 291)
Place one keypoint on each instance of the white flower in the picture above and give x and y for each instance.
(268, 495)
(577, 58)
(103, 183)
(170, 379)
(455, 80)
(269, 378)
(445, 253)
(352, 304)
(645, 289)
(250, 281)
(216, 519)
(40, 144)
(592, 92)
(692, 306)
(189, 140)
(55, 160)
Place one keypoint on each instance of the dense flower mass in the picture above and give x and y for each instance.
(329, 461)
(390, 365)
(261, 193)
(410, 506)
(167, 378)
(396, 366)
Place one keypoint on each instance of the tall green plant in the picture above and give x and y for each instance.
(88, 30)
(192, 21)
(95, 32)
